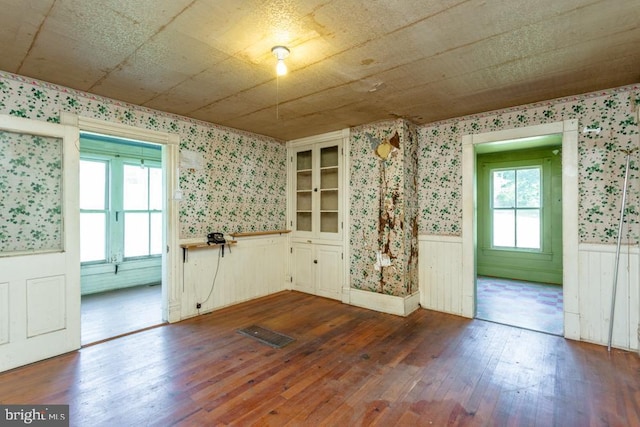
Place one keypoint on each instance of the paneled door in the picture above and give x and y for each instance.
(39, 241)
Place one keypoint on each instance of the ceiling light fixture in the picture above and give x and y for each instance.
(280, 52)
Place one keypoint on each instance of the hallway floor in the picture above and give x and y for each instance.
(113, 313)
(535, 306)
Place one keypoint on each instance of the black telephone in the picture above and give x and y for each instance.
(216, 239)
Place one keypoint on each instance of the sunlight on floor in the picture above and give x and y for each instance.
(534, 306)
(109, 314)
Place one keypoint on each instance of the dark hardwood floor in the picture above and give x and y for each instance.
(348, 366)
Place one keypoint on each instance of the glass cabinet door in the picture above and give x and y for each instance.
(316, 190)
(304, 190)
(329, 189)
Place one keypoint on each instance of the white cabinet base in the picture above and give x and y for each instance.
(317, 269)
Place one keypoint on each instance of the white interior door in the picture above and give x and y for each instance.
(39, 241)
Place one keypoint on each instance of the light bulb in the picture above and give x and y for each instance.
(281, 67)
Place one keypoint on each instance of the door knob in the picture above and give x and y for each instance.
(315, 261)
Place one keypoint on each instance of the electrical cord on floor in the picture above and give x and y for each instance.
(199, 304)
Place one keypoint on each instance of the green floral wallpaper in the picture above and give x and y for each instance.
(601, 163)
(30, 193)
(242, 186)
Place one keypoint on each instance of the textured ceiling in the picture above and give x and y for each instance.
(352, 61)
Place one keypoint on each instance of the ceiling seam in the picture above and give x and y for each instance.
(35, 37)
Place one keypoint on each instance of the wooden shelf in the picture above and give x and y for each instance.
(259, 233)
(186, 246)
(205, 245)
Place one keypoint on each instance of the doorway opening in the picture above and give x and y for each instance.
(121, 235)
(519, 233)
(570, 239)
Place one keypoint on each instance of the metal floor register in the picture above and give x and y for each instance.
(266, 336)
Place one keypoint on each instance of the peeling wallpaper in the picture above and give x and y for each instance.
(412, 209)
(600, 163)
(242, 186)
(383, 209)
(435, 179)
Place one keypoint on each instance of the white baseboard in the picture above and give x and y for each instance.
(400, 306)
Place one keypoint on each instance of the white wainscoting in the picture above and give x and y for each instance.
(253, 268)
(440, 273)
(596, 266)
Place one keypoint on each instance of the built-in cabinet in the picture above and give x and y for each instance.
(316, 214)
(317, 193)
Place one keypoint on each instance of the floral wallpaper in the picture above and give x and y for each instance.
(30, 193)
(381, 208)
(601, 161)
(241, 186)
(418, 189)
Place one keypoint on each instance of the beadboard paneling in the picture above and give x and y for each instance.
(596, 264)
(254, 267)
(440, 268)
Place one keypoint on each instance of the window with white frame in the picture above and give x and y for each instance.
(120, 208)
(516, 208)
(94, 188)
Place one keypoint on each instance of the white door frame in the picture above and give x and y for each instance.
(570, 239)
(171, 292)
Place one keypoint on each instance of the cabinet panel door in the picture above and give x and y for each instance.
(328, 271)
(302, 266)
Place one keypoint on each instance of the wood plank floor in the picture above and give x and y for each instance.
(348, 366)
(121, 311)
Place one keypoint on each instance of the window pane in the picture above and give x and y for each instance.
(528, 229)
(136, 188)
(136, 234)
(155, 189)
(92, 236)
(156, 233)
(504, 188)
(93, 175)
(528, 188)
(504, 228)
